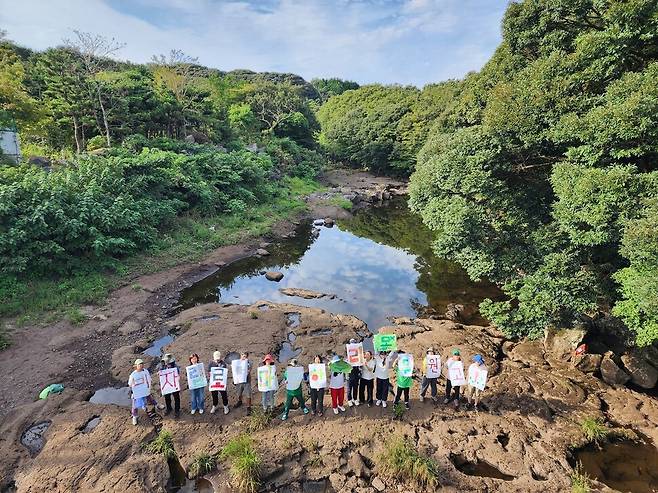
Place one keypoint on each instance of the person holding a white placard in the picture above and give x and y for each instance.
(294, 376)
(403, 367)
(139, 382)
(454, 360)
(382, 367)
(268, 396)
(169, 362)
(197, 395)
(431, 368)
(244, 387)
(317, 394)
(477, 377)
(367, 379)
(218, 362)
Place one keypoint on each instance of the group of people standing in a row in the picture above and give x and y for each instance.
(368, 383)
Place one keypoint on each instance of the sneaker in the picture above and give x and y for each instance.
(335, 410)
(306, 410)
(383, 403)
(134, 420)
(320, 414)
(350, 403)
(378, 402)
(213, 409)
(341, 408)
(284, 416)
(456, 403)
(200, 411)
(161, 407)
(422, 398)
(225, 409)
(445, 401)
(406, 406)
(356, 403)
(193, 411)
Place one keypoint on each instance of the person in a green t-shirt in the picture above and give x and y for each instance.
(293, 391)
(403, 383)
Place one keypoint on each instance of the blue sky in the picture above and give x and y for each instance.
(389, 41)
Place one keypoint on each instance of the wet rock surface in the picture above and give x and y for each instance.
(520, 440)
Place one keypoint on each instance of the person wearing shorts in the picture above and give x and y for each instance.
(244, 388)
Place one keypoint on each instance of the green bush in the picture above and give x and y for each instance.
(293, 159)
(400, 461)
(594, 430)
(245, 463)
(96, 142)
(580, 482)
(202, 464)
(163, 444)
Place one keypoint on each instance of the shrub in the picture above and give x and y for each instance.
(162, 444)
(401, 461)
(96, 142)
(580, 482)
(245, 463)
(258, 420)
(202, 464)
(594, 430)
(398, 411)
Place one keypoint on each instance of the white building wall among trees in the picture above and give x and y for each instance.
(10, 145)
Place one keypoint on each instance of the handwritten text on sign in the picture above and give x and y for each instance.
(433, 362)
(406, 365)
(169, 381)
(456, 373)
(267, 378)
(385, 342)
(317, 375)
(355, 354)
(218, 378)
(196, 376)
(477, 377)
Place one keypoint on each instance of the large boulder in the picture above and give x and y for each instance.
(560, 344)
(588, 362)
(641, 372)
(611, 373)
(271, 275)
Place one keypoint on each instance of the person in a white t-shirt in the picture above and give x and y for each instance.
(139, 382)
(337, 385)
(367, 379)
(383, 363)
(477, 365)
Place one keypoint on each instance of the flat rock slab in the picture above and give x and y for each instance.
(307, 294)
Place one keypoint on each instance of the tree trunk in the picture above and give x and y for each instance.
(100, 102)
(75, 132)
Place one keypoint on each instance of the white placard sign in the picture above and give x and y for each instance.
(294, 377)
(317, 375)
(240, 370)
(406, 365)
(355, 354)
(140, 385)
(218, 378)
(196, 376)
(267, 378)
(433, 362)
(477, 376)
(169, 381)
(456, 373)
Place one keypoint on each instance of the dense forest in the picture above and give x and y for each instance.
(539, 172)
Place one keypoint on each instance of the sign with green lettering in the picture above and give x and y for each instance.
(385, 342)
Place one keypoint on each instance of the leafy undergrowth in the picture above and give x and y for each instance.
(245, 463)
(594, 430)
(400, 461)
(163, 444)
(257, 420)
(580, 482)
(188, 239)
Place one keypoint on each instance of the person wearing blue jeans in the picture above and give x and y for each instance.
(197, 396)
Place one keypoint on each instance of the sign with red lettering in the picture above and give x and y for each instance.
(169, 381)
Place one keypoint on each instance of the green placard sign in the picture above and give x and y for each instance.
(386, 342)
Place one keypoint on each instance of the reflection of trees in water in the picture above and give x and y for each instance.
(442, 281)
(283, 254)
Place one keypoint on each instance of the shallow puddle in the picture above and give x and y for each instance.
(626, 466)
(33, 438)
(287, 352)
(111, 395)
(321, 332)
(479, 468)
(91, 424)
(293, 320)
(156, 349)
(378, 263)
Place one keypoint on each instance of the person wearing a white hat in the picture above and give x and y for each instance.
(168, 361)
(140, 378)
(218, 362)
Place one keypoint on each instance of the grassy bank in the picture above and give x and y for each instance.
(190, 237)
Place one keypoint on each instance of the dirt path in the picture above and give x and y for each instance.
(80, 356)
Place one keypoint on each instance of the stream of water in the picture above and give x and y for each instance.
(377, 264)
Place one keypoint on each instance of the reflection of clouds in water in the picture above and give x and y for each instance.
(373, 280)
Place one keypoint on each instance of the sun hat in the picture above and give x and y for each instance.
(217, 355)
(268, 358)
(455, 352)
(352, 340)
(138, 362)
(335, 358)
(292, 362)
(478, 359)
(168, 358)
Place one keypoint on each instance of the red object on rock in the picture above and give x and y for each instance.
(581, 349)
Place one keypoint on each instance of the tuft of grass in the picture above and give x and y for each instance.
(258, 420)
(401, 461)
(135, 286)
(245, 463)
(5, 342)
(580, 482)
(163, 444)
(75, 316)
(398, 411)
(594, 430)
(340, 201)
(203, 464)
(253, 314)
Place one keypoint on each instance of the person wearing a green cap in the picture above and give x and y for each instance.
(139, 380)
(451, 361)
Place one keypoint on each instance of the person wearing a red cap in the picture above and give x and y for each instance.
(268, 397)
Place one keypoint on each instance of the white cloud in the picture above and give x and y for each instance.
(368, 41)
